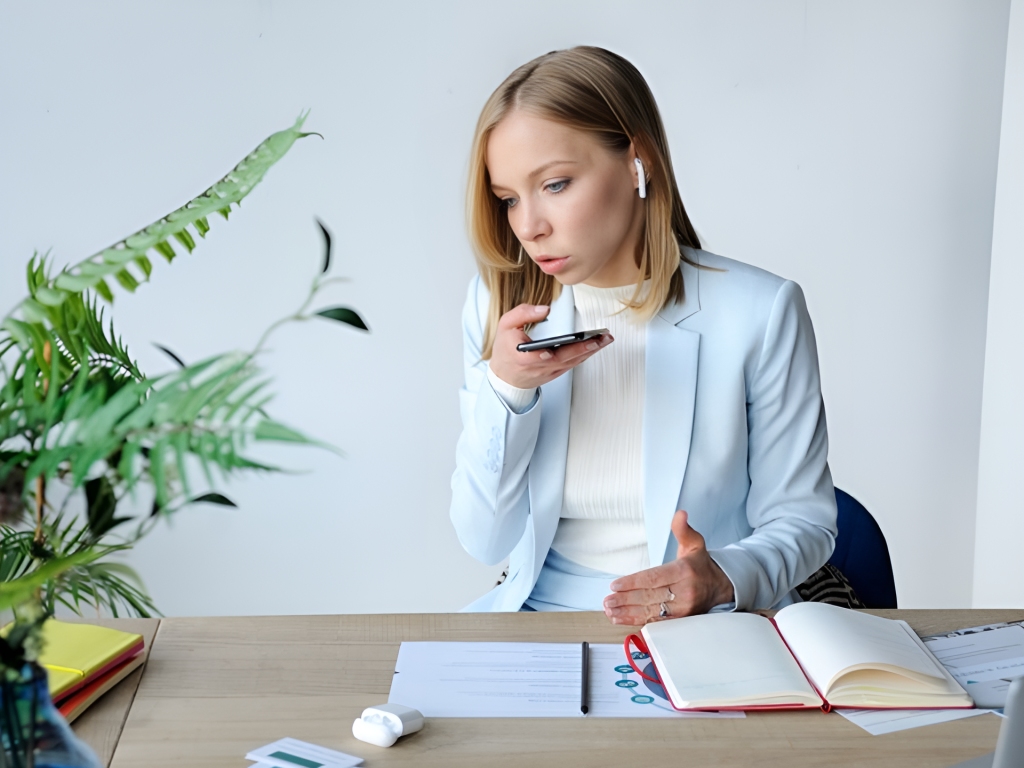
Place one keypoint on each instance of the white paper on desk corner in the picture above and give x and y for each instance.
(983, 661)
(881, 721)
(980, 658)
(523, 680)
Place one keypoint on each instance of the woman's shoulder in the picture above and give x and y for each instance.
(720, 273)
(731, 286)
(741, 302)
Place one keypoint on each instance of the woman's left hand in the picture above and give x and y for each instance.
(692, 583)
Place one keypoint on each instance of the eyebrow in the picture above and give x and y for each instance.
(540, 170)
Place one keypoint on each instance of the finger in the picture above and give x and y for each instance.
(689, 540)
(575, 353)
(659, 576)
(632, 614)
(640, 597)
(588, 349)
(565, 359)
(558, 362)
(544, 358)
(522, 315)
(561, 362)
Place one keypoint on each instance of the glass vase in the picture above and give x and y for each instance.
(32, 732)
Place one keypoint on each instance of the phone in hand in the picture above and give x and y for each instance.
(554, 342)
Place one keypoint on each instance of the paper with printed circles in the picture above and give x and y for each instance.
(525, 680)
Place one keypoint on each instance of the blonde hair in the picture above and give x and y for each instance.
(599, 92)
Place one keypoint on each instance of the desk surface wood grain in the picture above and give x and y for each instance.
(214, 688)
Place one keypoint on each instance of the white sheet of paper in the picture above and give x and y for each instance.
(983, 659)
(980, 658)
(523, 680)
(880, 721)
(983, 656)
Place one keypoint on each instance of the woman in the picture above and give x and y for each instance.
(678, 463)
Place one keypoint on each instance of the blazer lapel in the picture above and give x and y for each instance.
(547, 466)
(670, 390)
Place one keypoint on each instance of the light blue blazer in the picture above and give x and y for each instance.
(733, 432)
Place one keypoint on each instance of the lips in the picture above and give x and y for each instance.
(550, 264)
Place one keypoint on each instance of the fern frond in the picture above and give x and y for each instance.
(81, 338)
(115, 261)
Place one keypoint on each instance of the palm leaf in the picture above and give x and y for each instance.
(113, 586)
(14, 592)
(15, 553)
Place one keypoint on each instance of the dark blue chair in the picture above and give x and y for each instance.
(862, 555)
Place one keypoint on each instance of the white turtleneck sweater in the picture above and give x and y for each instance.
(602, 520)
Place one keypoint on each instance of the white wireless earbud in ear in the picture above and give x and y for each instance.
(640, 174)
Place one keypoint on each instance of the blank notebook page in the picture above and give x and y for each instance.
(827, 640)
(725, 657)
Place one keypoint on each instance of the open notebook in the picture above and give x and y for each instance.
(810, 655)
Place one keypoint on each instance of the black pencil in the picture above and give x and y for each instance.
(585, 678)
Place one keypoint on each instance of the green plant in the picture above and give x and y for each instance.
(80, 420)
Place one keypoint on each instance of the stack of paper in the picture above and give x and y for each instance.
(983, 659)
(84, 661)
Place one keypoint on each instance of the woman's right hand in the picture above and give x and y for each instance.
(528, 370)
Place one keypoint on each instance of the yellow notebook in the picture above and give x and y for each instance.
(75, 654)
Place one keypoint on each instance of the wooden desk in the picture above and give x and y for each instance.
(100, 725)
(215, 688)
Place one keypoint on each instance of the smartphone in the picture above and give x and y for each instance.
(558, 341)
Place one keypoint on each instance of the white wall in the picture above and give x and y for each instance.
(850, 146)
(998, 561)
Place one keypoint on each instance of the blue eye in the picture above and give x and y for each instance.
(554, 188)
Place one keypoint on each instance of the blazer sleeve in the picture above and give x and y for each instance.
(490, 495)
(791, 503)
